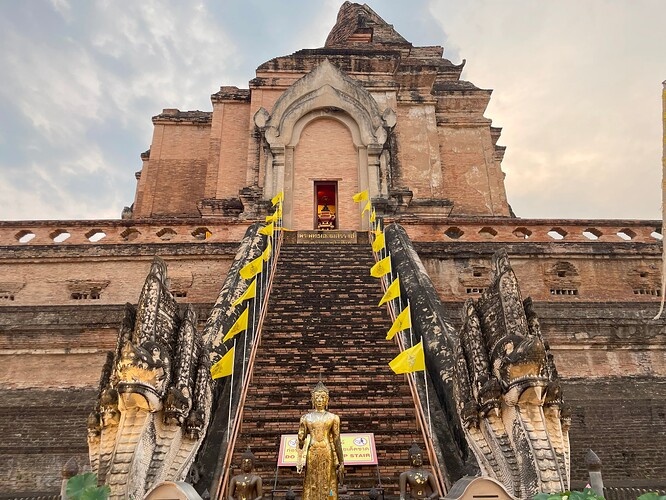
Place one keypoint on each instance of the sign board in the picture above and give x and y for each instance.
(326, 236)
(358, 449)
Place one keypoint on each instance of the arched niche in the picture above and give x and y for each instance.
(325, 92)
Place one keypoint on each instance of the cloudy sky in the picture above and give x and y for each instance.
(577, 89)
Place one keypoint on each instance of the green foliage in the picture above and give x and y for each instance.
(84, 487)
(586, 494)
(651, 496)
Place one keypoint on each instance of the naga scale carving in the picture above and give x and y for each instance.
(155, 395)
(507, 390)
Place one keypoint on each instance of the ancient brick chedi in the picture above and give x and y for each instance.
(397, 119)
(366, 111)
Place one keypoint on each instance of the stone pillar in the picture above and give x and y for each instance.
(593, 463)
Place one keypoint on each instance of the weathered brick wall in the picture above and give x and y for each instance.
(235, 133)
(472, 178)
(175, 177)
(420, 164)
(325, 152)
(596, 272)
(41, 430)
(50, 275)
(623, 420)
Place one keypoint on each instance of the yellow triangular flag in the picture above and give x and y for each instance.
(253, 268)
(363, 195)
(267, 230)
(392, 292)
(373, 216)
(410, 360)
(278, 212)
(402, 322)
(381, 268)
(278, 198)
(225, 366)
(250, 293)
(271, 218)
(367, 207)
(266, 254)
(378, 244)
(239, 325)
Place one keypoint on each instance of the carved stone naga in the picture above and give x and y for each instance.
(508, 393)
(155, 395)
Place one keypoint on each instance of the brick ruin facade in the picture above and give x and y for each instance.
(367, 111)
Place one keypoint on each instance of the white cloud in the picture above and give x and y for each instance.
(577, 91)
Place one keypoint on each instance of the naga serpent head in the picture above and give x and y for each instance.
(144, 369)
(194, 424)
(177, 405)
(520, 362)
(108, 408)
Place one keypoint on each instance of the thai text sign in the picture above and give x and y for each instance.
(357, 448)
(326, 236)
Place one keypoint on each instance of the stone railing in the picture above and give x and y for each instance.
(513, 230)
(452, 229)
(102, 232)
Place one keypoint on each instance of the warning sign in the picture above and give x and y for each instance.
(357, 448)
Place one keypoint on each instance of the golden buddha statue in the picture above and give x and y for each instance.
(246, 486)
(421, 482)
(321, 455)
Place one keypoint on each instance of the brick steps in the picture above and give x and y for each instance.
(323, 317)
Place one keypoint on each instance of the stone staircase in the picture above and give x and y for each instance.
(323, 318)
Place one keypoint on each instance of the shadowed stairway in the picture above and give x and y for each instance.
(323, 318)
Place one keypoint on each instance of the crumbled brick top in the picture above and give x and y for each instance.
(175, 115)
(454, 85)
(358, 23)
(231, 93)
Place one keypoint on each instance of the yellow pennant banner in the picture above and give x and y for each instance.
(378, 244)
(253, 268)
(402, 322)
(225, 366)
(410, 360)
(238, 326)
(250, 293)
(392, 292)
(366, 208)
(358, 197)
(266, 254)
(278, 198)
(267, 230)
(381, 268)
(373, 216)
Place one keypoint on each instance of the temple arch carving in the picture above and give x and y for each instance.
(325, 93)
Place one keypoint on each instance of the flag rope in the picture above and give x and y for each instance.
(425, 420)
(233, 425)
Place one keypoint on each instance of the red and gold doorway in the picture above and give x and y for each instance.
(326, 195)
